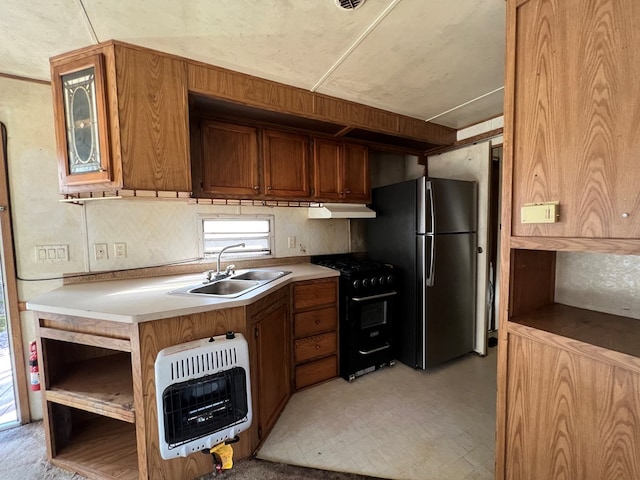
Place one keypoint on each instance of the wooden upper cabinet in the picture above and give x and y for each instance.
(82, 123)
(575, 115)
(341, 171)
(356, 173)
(230, 160)
(154, 123)
(121, 120)
(327, 168)
(285, 159)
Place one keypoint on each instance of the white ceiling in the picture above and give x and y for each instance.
(438, 60)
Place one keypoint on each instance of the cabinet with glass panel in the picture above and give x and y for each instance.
(121, 120)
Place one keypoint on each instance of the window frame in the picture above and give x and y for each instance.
(203, 217)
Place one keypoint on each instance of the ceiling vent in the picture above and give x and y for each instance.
(349, 4)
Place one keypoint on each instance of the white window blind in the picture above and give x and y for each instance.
(220, 231)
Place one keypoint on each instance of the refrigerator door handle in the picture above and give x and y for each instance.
(432, 210)
(429, 280)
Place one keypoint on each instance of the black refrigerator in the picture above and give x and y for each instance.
(427, 228)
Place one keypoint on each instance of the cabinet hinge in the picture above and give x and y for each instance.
(259, 432)
(256, 332)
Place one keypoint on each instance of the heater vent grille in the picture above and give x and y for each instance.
(202, 363)
(203, 394)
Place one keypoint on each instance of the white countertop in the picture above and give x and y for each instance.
(144, 299)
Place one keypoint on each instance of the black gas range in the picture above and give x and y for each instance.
(368, 296)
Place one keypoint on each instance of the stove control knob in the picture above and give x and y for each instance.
(230, 335)
(356, 284)
(365, 282)
(382, 280)
(390, 279)
(374, 281)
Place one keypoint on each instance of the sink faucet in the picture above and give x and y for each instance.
(211, 275)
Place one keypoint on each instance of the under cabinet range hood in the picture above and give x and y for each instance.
(341, 210)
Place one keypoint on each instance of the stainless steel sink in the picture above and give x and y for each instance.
(242, 282)
(260, 275)
(226, 287)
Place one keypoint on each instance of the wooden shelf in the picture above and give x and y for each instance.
(619, 246)
(102, 385)
(101, 447)
(611, 338)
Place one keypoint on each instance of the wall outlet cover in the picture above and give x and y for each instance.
(100, 251)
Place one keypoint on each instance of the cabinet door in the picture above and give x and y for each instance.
(82, 129)
(153, 120)
(229, 159)
(327, 169)
(569, 415)
(285, 158)
(576, 138)
(355, 173)
(273, 354)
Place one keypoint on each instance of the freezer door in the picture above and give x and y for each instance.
(450, 303)
(451, 206)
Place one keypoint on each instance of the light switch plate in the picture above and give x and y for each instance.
(52, 253)
(291, 242)
(547, 212)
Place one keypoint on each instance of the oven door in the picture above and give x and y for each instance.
(369, 339)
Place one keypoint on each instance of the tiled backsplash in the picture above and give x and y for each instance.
(159, 232)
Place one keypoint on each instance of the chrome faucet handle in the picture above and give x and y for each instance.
(230, 270)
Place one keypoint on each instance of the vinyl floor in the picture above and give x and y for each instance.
(395, 423)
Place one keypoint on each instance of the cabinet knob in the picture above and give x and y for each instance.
(347, 191)
(625, 215)
(317, 322)
(317, 347)
(256, 187)
(269, 187)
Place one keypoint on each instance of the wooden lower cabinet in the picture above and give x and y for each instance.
(570, 414)
(98, 379)
(270, 365)
(315, 332)
(99, 396)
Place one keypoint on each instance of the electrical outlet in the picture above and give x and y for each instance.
(100, 251)
(291, 242)
(120, 250)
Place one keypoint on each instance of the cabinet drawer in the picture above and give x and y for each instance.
(314, 294)
(316, 346)
(315, 321)
(315, 372)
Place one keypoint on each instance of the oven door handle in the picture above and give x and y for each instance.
(374, 297)
(379, 349)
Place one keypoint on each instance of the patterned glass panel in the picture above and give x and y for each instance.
(81, 119)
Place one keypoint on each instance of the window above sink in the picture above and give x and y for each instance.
(255, 231)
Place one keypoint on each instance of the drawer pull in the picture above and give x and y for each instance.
(369, 352)
(317, 347)
(317, 322)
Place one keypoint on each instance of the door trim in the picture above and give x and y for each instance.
(11, 290)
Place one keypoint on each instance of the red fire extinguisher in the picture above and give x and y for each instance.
(33, 366)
